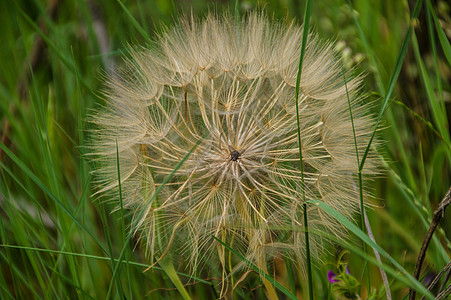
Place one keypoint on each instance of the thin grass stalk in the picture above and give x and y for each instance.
(122, 209)
(439, 115)
(419, 117)
(20, 276)
(445, 291)
(438, 214)
(443, 294)
(41, 185)
(70, 65)
(369, 51)
(396, 273)
(444, 42)
(115, 278)
(434, 53)
(416, 206)
(134, 21)
(391, 86)
(393, 78)
(359, 172)
(378, 258)
(18, 222)
(406, 276)
(380, 85)
(308, 9)
(166, 266)
(46, 141)
(90, 256)
(446, 269)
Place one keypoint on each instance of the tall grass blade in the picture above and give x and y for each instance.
(365, 238)
(431, 34)
(444, 41)
(393, 79)
(69, 64)
(39, 183)
(15, 270)
(134, 21)
(439, 116)
(359, 172)
(307, 13)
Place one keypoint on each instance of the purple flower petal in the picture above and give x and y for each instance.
(347, 271)
(331, 277)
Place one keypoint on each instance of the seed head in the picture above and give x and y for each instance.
(206, 134)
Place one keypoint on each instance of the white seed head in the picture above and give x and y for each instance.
(226, 88)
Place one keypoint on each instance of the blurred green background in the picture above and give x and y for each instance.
(52, 60)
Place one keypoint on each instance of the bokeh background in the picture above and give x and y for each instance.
(57, 241)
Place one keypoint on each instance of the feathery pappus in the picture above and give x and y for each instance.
(204, 125)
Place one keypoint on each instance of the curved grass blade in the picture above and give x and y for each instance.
(362, 207)
(393, 79)
(67, 62)
(357, 250)
(134, 21)
(365, 238)
(438, 114)
(18, 272)
(39, 183)
(444, 42)
(307, 13)
(90, 256)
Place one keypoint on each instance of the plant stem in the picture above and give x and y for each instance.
(308, 10)
(438, 214)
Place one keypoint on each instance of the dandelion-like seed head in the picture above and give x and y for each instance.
(205, 130)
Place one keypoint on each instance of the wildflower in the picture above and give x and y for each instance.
(204, 125)
(344, 285)
(332, 277)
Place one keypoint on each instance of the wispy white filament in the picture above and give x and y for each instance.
(230, 85)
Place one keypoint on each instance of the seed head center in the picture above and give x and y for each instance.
(234, 155)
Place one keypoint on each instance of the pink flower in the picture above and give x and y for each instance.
(331, 277)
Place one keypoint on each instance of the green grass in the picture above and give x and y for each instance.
(57, 241)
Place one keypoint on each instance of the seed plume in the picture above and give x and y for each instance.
(219, 95)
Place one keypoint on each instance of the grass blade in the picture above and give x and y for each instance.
(393, 79)
(444, 42)
(307, 13)
(365, 238)
(256, 269)
(38, 182)
(90, 256)
(134, 21)
(439, 116)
